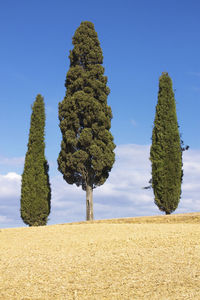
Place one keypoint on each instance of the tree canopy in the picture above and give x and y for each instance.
(35, 189)
(87, 147)
(166, 151)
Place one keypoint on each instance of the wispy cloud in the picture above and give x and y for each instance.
(13, 161)
(196, 88)
(4, 219)
(194, 74)
(134, 123)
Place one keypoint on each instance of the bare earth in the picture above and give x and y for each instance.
(125, 259)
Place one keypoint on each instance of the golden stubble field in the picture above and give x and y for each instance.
(133, 258)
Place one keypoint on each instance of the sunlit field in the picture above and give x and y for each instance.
(132, 258)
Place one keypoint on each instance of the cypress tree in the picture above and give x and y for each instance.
(166, 151)
(35, 188)
(86, 155)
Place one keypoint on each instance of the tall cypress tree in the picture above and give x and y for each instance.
(86, 155)
(35, 188)
(166, 151)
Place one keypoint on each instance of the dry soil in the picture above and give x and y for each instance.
(125, 259)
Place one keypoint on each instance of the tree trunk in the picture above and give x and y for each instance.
(89, 203)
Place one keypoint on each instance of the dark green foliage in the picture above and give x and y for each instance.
(86, 155)
(166, 152)
(35, 189)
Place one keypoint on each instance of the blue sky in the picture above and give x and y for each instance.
(140, 40)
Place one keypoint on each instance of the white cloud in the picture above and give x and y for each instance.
(131, 172)
(121, 196)
(195, 74)
(13, 176)
(191, 181)
(10, 185)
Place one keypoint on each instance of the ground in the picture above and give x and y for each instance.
(119, 259)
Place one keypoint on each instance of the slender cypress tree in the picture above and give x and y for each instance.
(86, 155)
(35, 188)
(166, 151)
